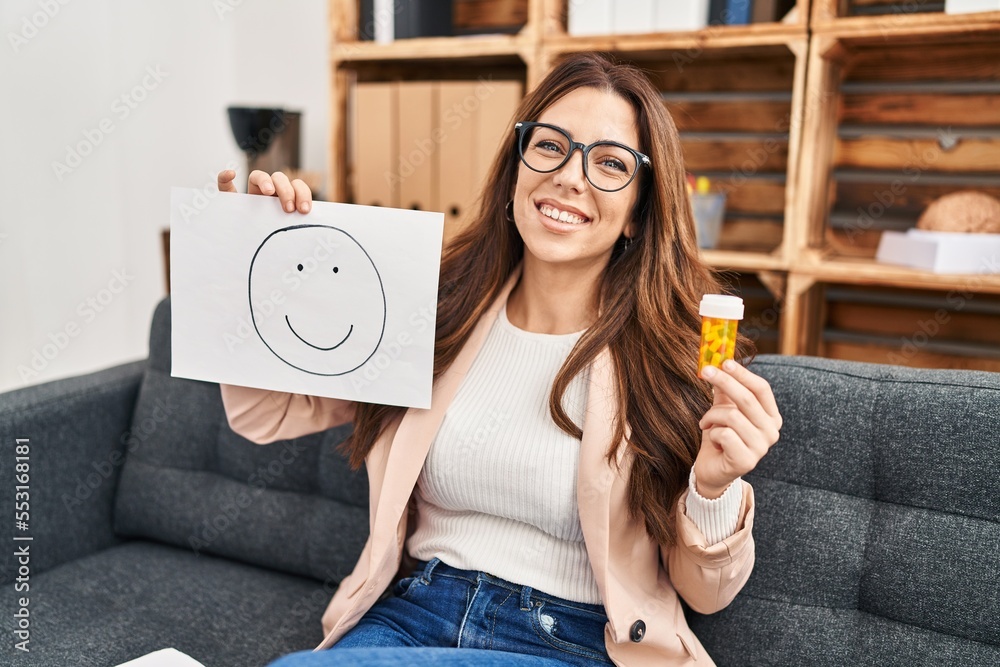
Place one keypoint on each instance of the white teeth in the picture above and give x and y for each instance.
(561, 216)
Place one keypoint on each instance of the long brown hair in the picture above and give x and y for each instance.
(648, 295)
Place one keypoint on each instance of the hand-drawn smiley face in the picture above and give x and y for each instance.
(326, 303)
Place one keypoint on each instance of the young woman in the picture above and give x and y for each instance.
(574, 476)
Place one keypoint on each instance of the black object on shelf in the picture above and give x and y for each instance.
(717, 12)
(366, 20)
(423, 18)
(268, 136)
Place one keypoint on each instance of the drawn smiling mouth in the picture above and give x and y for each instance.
(325, 349)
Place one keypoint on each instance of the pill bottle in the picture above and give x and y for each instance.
(720, 316)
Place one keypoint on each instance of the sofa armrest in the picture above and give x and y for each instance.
(77, 432)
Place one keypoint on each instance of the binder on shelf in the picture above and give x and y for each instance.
(635, 16)
(737, 12)
(457, 118)
(590, 17)
(717, 12)
(604, 17)
(374, 144)
(422, 18)
(496, 125)
(366, 20)
(383, 17)
(729, 12)
(414, 167)
(677, 15)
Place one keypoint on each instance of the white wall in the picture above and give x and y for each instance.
(64, 237)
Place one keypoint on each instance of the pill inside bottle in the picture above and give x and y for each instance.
(720, 316)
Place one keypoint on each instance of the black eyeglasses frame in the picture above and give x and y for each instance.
(521, 127)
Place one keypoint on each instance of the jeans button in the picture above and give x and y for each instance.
(638, 631)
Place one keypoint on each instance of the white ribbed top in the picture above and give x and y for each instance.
(497, 491)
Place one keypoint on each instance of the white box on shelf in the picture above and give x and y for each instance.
(969, 6)
(941, 252)
(590, 17)
(677, 15)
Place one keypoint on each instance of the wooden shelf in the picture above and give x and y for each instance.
(896, 22)
(713, 37)
(842, 102)
(861, 34)
(432, 48)
(743, 261)
(858, 271)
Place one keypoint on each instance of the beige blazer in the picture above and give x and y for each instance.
(638, 580)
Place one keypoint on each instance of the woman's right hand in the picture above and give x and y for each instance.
(293, 195)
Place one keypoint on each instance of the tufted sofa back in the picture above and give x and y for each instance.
(188, 480)
(878, 522)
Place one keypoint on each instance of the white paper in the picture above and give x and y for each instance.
(167, 657)
(339, 302)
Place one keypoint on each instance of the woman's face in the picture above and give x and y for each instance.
(597, 219)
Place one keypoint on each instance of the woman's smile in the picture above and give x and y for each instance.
(560, 219)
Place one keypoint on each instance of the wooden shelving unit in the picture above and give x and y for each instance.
(889, 17)
(901, 108)
(797, 122)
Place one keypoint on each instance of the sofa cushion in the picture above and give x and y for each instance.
(190, 481)
(877, 524)
(129, 600)
(75, 427)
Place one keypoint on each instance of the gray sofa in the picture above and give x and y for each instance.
(154, 525)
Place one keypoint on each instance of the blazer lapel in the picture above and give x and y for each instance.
(417, 430)
(595, 476)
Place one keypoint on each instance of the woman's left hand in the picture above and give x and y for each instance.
(737, 431)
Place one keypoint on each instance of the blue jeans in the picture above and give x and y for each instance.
(441, 615)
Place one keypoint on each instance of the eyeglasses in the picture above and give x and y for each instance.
(608, 165)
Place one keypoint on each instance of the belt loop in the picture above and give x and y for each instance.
(429, 569)
(525, 598)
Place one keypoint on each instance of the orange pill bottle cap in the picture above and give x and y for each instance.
(721, 306)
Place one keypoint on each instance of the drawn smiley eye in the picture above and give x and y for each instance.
(300, 267)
